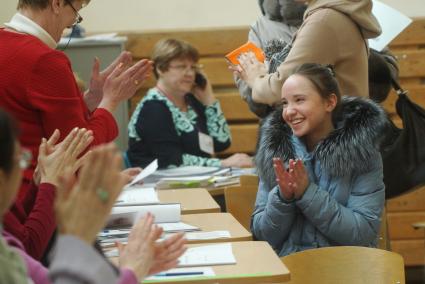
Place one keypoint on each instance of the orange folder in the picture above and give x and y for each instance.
(247, 47)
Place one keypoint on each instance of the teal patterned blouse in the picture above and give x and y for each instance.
(160, 130)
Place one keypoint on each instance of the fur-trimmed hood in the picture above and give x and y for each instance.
(358, 133)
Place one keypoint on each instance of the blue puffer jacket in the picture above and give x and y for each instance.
(343, 203)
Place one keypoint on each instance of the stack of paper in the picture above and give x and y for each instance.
(184, 182)
(107, 238)
(187, 171)
(196, 181)
(128, 215)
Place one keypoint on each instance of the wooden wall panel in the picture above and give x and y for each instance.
(414, 34)
(234, 107)
(400, 225)
(409, 202)
(244, 138)
(208, 41)
(411, 62)
(412, 251)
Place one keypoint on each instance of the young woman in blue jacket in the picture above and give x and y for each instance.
(321, 178)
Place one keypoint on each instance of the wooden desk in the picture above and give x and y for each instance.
(218, 222)
(256, 262)
(216, 191)
(192, 200)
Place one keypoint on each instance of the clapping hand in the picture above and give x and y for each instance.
(123, 82)
(144, 255)
(83, 207)
(292, 182)
(167, 253)
(249, 68)
(54, 158)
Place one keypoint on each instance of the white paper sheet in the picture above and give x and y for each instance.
(136, 195)
(151, 168)
(177, 227)
(392, 23)
(208, 255)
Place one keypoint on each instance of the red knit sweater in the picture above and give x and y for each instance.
(38, 88)
(32, 220)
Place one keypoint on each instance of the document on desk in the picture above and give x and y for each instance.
(150, 169)
(187, 171)
(137, 195)
(177, 227)
(128, 215)
(182, 273)
(219, 254)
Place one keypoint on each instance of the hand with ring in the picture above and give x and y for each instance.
(123, 82)
(83, 207)
(94, 94)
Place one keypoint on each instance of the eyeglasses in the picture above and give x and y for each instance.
(78, 18)
(184, 68)
(25, 159)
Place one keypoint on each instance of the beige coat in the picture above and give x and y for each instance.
(333, 32)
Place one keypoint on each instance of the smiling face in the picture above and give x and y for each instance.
(305, 111)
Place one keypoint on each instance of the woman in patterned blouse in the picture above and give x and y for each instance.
(179, 122)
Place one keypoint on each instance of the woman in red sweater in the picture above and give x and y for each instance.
(38, 88)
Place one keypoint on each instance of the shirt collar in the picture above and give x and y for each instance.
(23, 24)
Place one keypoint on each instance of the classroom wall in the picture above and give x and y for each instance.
(135, 15)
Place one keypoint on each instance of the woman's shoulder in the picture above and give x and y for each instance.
(326, 19)
(356, 139)
(154, 100)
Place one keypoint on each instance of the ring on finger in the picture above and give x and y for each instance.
(102, 194)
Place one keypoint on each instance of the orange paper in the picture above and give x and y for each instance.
(247, 47)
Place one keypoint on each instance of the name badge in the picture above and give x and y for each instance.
(206, 143)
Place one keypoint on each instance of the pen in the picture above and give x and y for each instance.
(180, 273)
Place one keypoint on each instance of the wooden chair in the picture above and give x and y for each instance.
(383, 239)
(240, 199)
(348, 265)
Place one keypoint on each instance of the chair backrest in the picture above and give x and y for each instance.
(240, 200)
(346, 265)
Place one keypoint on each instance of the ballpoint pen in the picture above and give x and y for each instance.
(180, 273)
